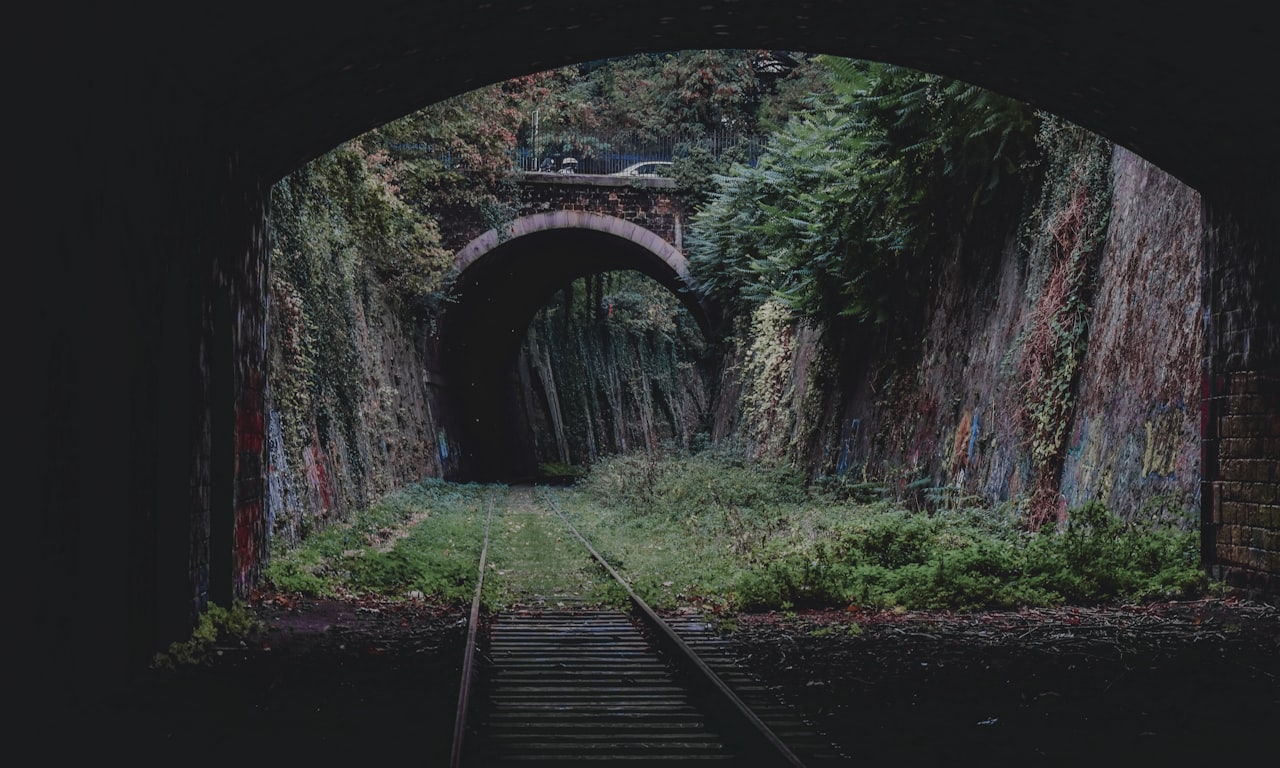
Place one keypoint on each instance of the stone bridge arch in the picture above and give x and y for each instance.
(636, 247)
(503, 277)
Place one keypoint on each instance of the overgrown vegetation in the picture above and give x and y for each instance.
(868, 179)
(216, 625)
(841, 215)
(423, 540)
(744, 537)
(1073, 212)
(715, 530)
(615, 362)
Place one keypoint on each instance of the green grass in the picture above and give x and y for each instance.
(424, 539)
(533, 554)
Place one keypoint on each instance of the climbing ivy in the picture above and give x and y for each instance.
(1062, 241)
(627, 366)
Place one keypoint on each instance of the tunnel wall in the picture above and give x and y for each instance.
(949, 417)
(144, 159)
(1241, 393)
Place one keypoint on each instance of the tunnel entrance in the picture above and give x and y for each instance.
(504, 389)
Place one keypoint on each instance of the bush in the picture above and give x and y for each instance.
(216, 624)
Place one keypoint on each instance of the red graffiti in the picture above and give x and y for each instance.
(248, 532)
(249, 428)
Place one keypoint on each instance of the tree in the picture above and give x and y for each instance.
(839, 216)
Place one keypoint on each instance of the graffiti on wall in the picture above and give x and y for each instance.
(317, 475)
(1129, 466)
(250, 531)
(847, 445)
(1164, 442)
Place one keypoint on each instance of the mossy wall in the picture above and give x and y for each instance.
(613, 364)
(1057, 361)
(351, 411)
(1054, 363)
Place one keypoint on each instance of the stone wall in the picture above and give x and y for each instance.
(950, 416)
(651, 203)
(1135, 441)
(401, 432)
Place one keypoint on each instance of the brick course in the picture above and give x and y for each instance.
(1240, 440)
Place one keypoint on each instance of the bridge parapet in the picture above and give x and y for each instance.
(653, 203)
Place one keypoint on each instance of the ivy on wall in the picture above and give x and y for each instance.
(1062, 240)
(344, 246)
(620, 365)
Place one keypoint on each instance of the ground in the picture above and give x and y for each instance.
(331, 681)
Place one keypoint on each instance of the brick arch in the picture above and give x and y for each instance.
(185, 128)
(502, 278)
(646, 251)
(596, 222)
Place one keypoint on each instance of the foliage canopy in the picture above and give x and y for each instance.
(840, 216)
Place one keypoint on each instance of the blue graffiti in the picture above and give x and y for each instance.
(846, 446)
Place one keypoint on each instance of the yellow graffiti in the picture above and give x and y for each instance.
(1091, 451)
(1164, 439)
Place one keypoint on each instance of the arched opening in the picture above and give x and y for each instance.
(501, 285)
(170, 216)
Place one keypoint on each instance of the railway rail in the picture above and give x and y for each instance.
(560, 682)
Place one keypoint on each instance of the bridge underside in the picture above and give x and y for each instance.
(495, 298)
(282, 84)
(149, 145)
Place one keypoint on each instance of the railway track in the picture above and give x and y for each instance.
(558, 678)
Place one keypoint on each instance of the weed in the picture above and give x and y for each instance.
(765, 541)
(216, 624)
(847, 629)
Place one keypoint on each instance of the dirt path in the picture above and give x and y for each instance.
(1163, 684)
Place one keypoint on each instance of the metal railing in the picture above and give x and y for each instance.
(612, 152)
(606, 152)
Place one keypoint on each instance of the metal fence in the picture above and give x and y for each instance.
(604, 153)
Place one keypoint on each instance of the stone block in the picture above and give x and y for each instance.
(1270, 540)
(1257, 559)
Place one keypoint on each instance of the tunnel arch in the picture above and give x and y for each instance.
(167, 136)
(1127, 79)
(503, 278)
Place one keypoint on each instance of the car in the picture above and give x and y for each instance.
(648, 168)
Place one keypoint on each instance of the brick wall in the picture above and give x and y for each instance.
(1240, 416)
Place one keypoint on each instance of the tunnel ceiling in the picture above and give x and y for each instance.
(285, 82)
